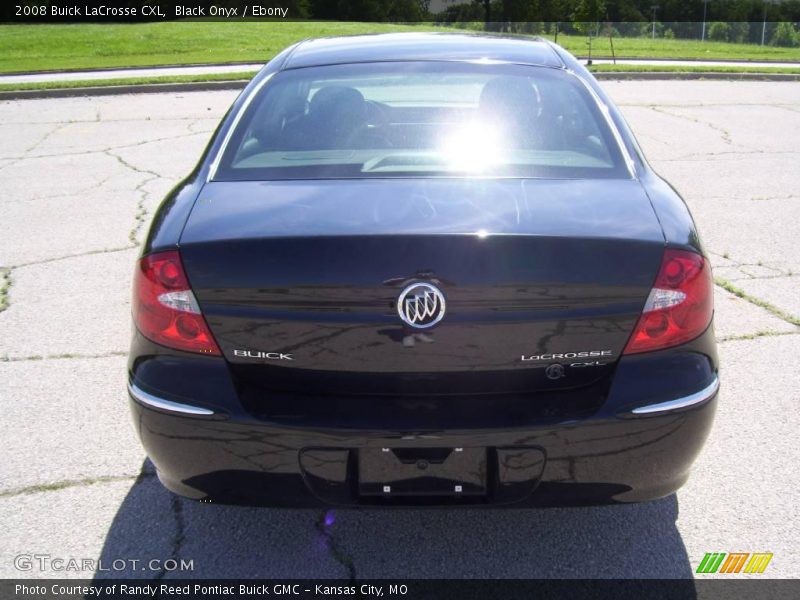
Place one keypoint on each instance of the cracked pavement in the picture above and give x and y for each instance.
(81, 179)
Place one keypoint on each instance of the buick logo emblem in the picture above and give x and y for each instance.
(554, 371)
(421, 305)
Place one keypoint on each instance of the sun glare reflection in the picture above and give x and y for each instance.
(473, 147)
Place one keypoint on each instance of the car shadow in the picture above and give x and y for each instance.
(619, 541)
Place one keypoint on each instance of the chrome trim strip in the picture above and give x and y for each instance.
(690, 400)
(212, 171)
(143, 397)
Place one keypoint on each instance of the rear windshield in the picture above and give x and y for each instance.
(422, 120)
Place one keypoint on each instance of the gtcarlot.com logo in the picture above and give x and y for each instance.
(734, 562)
(48, 562)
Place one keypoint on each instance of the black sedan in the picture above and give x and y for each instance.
(423, 269)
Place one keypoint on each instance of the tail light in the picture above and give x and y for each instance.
(679, 307)
(164, 307)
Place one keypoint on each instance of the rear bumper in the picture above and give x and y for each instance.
(635, 448)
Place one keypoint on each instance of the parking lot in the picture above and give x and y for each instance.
(80, 179)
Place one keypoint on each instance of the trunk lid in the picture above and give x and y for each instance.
(299, 281)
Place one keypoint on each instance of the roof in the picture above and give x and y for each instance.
(422, 46)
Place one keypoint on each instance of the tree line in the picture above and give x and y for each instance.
(567, 11)
(548, 11)
(728, 20)
(725, 20)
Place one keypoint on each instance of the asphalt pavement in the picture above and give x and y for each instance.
(129, 73)
(167, 71)
(80, 179)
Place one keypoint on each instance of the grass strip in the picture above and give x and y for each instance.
(247, 75)
(628, 68)
(736, 291)
(58, 85)
(38, 47)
